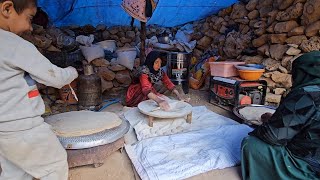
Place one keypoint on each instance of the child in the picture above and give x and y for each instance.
(28, 147)
(149, 74)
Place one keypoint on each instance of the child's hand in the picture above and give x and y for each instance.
(164, 105)
(265, 117)
(75, 72)
(163, 97)
(181, 97)
(184, 99)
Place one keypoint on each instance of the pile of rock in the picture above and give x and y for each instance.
(268, 32)
(51, 39)
(125, 36)
(60, 47)
(114, 77)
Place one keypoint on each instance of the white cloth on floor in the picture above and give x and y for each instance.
(201, 118)
(183, 155)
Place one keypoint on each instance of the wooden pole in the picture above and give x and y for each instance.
(143, 35)
(132, 22)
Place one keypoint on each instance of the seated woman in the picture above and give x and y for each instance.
(287, 146)
(149, 74)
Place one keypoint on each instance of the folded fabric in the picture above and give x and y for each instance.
(135, 8)
(201, 118)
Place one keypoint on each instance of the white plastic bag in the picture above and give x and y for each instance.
(85, 40)
(92, 52)
(126, 57)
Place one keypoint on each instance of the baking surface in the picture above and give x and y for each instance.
(177, 109)
(81, 123)
(253, 114)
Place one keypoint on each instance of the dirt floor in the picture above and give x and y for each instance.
(119, 167)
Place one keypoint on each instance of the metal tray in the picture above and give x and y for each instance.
(250, 122)
(97, 139)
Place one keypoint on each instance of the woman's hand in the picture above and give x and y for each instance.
(265, 117)
(180, 97)
(163, 97)
(184, 99)
(164, 105)
(160, 100)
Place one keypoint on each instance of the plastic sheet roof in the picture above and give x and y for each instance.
(168, 13)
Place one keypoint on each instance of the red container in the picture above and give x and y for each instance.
(224, 69)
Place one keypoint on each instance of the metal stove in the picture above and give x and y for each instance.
(94, 149)
(233, 92)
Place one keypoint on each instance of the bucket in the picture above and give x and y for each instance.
(178, 69)
(66, 93)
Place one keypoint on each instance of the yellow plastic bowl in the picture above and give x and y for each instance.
(251, 75)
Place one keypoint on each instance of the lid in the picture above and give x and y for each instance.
(252, 70)
(226, 62)
(88, 70)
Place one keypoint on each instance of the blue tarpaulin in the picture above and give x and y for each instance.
(168, 13)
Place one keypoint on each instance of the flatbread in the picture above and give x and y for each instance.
(82, 123)
(177, 109)
(254, 113)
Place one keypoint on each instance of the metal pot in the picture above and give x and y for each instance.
(178, 67)
(164, 39)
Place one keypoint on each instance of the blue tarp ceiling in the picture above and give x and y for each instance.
(168, 13)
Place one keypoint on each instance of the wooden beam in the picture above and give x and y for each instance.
(143, 36)
(132, 22)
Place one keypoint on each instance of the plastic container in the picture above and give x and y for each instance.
(224, 69)
(251, 75)
(258, 66)
(243, 67)
(247, 67)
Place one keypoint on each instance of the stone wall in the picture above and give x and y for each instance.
(114, 77)
(268, 32)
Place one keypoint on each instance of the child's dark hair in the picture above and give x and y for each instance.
(21, 5)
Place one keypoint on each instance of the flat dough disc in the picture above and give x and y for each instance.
(177, 109)
(254, 113)
(82, 123)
